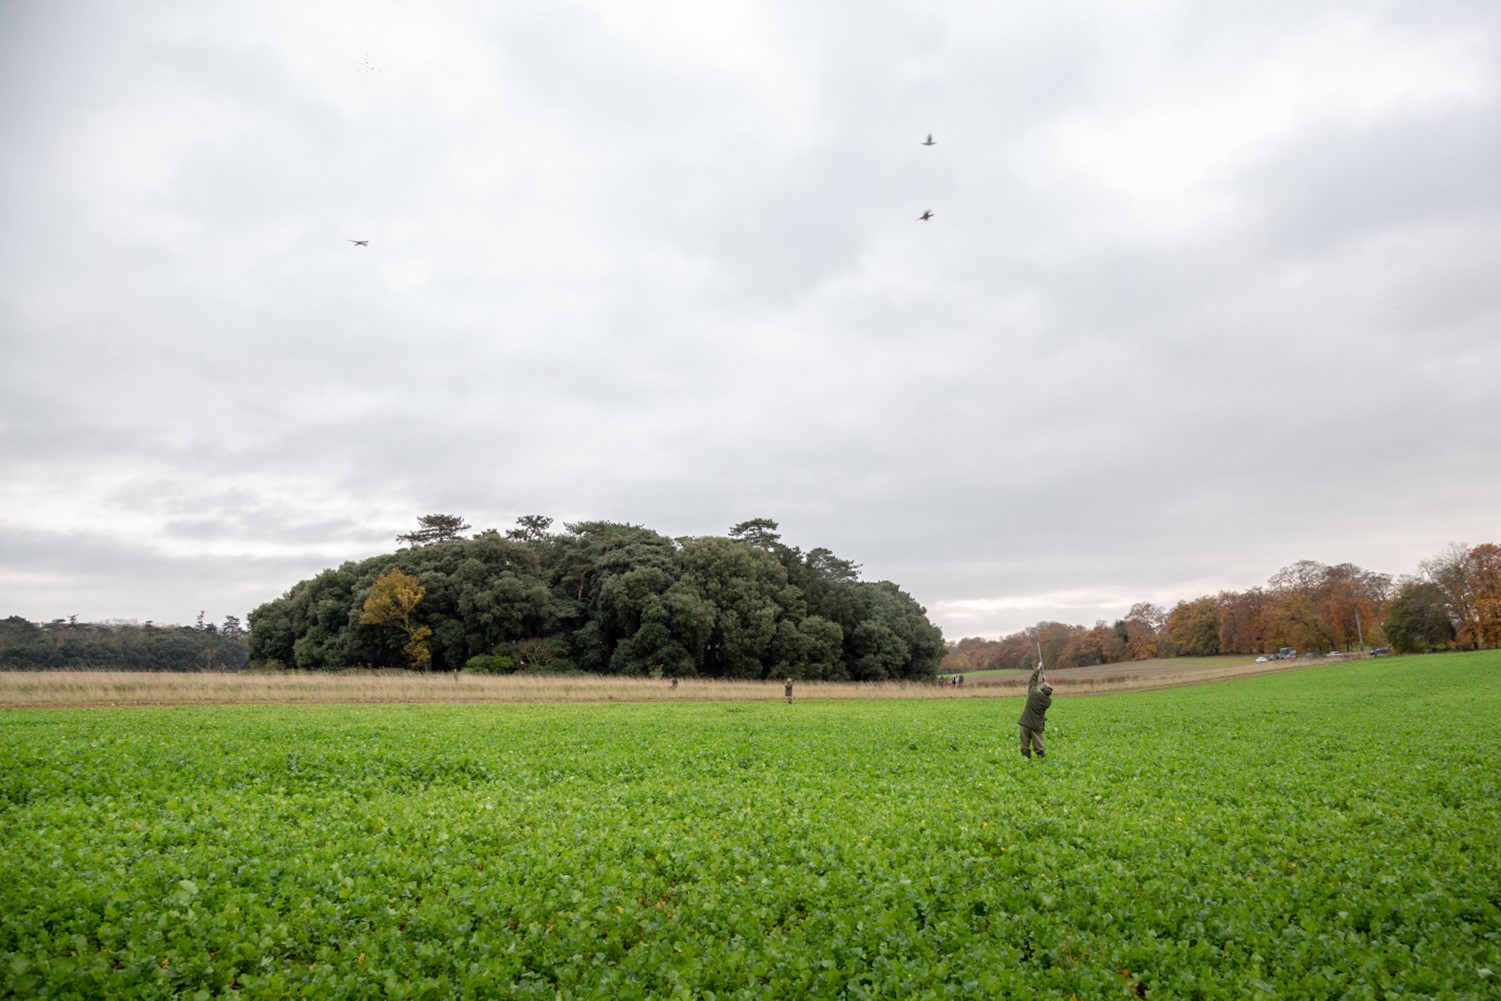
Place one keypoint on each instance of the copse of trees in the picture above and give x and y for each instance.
(1453, 602)
(122, 646)
(601, 597)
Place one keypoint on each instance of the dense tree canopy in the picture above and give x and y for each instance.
(608, 598)
(1417, 619)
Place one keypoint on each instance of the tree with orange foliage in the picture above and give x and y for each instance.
(392, 598)
(1087, 647)
(1352, 600)
(1053, 638)
(1194, 627)
(1483, 590)
(1139, 630)
(1300, 616)
(1243, 621)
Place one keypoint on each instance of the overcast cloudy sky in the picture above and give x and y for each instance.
(1209, 288)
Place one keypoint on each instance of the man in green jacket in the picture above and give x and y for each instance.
(1034, 716)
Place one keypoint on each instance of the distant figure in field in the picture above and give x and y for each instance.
(1034, 716)
(788, 688)
(674, 682)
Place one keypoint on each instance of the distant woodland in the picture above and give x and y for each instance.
(600, 597)
(123, 646)
(1453, 602)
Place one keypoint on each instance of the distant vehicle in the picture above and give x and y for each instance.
(1286, 653)
(1380, 650)
(1261, 660)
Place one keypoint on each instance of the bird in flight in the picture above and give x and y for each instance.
(360, 243)
(925, 216)
(929, 141)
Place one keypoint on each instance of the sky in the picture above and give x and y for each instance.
(1209, 288)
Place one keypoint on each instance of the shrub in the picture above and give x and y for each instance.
(491, 663)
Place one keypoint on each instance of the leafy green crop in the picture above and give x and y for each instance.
(1330, 833)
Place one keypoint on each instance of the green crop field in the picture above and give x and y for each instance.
(1330, 833)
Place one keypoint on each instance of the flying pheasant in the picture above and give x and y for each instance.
(925, 216)
(360, 243)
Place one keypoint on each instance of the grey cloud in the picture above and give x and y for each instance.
(1349, 182)
(47, 575)
(615, 275)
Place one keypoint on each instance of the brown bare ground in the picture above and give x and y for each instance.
(57, 689)
(1150, 675)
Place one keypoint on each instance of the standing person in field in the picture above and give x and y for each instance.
(789, 691)
(1034, 715)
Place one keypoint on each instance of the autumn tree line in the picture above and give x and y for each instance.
(122, 645)
(1453, 602)
(600, 597)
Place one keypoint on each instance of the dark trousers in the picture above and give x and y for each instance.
(1030, 739)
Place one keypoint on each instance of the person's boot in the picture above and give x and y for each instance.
(1027, 753)
(1042, 754)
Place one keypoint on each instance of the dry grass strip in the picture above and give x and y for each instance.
(118, 688)
(41, 689)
